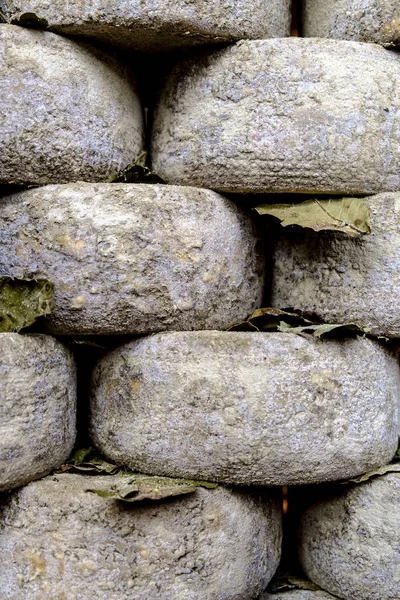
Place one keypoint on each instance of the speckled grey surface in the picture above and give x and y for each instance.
(160, 24)
(358, 20)
(37, 407)
(59, 541)
(342, 279)
(349, 543)
(130, 258)
(68, 112)
(247, 408)
(298, 595)
(283, 115)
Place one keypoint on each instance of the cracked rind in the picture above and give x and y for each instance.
(247, 408)
(68, 112)
(38, 407)
(128, 258)
(60, 541)
(349, 542)
(344, 280)
(283, 115)
(358, 20)
(159, 24)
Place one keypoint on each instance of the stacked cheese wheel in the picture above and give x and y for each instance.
(154, 275)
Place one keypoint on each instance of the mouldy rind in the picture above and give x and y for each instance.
(344, 280)
(283, 115)
(207, 545)
(38, 407)
(359, 20)
(69, 112)
(131, 258)
(159, 24)
(361, 521)
(247, 408)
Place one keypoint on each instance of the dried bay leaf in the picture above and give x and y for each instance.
(85, 460)
(22, 301)
(297, 322)
(348, 215)
(284, 582)
(136, 172)
(124, 485)
(136, 487)
(30, 20)
(337, 329)
(391, 468)
(269, 319)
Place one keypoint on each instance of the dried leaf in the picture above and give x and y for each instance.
(88, 341)
(393, 467)
(30, 20)
(268, 319)
(137, 172)
(339, 330)
(284, 582)
(348, 215)
(136, 487)
(126, 485)
(93, 466)
(298, 322)
(22, 301)
(85, 460)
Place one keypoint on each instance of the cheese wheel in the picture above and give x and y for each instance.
(158, 24)
(349, 541)
(59, 541)
(283, 115)
(247, 408)
(359, 20)
(127, 259)
(68, 112)
(38, 407)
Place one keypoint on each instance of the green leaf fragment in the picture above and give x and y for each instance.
(348, 215)
(23, 301)
(136, 172)
(80, 455)
(30, 20)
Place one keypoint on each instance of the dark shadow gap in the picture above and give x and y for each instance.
(297, 11)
